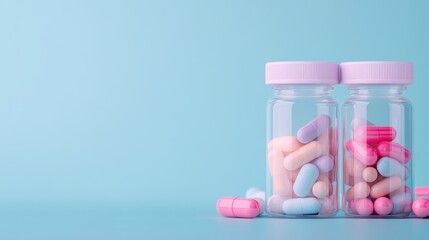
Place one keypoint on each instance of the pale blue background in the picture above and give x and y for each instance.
(129, 119)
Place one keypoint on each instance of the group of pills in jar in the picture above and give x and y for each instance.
(300, 166)
(376, 171)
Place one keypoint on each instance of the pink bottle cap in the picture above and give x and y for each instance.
(301, 73)
(376, 73)
(421, 191)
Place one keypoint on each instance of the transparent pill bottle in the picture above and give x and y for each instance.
(377, 132)
(302, 140)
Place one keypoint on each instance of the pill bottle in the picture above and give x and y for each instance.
(302, 142)
(376, 152)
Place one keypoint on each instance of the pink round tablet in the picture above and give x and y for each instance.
(364, 207)
(383, 206)
(421, 191)
(421, 207)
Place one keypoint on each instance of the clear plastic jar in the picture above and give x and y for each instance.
(377, 144)
(302, 139)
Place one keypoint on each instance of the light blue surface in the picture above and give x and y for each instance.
(138, 105)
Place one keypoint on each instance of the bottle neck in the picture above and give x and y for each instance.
(376, 91)
(302, 91)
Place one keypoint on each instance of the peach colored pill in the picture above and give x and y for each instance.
(303, 155)
(369, 174)
(359, 190)
(282, 185)
(286, 144)
(293, 174)
(275, 162)
(353, 166)
(386, 186)
(320, 189)
(349, 180)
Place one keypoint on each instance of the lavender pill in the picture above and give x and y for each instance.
(313, 129)
(324, 163)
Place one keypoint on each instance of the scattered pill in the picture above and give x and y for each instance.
(238, 207)
(421, 207)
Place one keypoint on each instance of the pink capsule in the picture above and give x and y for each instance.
(363, 152)
(394, 150)
(238, 207)
(375, 134)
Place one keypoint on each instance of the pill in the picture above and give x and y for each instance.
(353, 166)
(394, 150)
(328, 205)
(333, 148)
(314, 128)
(400, 201)
(421, 191)
(386, 186)
(238, 207)
(258, 195)
(362, 151)
(303, 155)
(359, 122)
(388, 167)
(285, 144)
(364, 206)
(374, 134)
(275, 204)
(421, 207)
(282, 185)
(369, 174)
(383, 206)
(350, 180)
(298, 206)
(320, 189)
(359, 190)
(305, 180)
(324, 163)
(275, 162)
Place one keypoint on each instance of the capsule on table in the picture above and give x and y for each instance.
(394, 150)
(303, 155)
(301, 206)
(375, 134)
(314, 128)
(362, 151)
(388, 167)
(238, 207)
(386, 186)
(307, 176)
